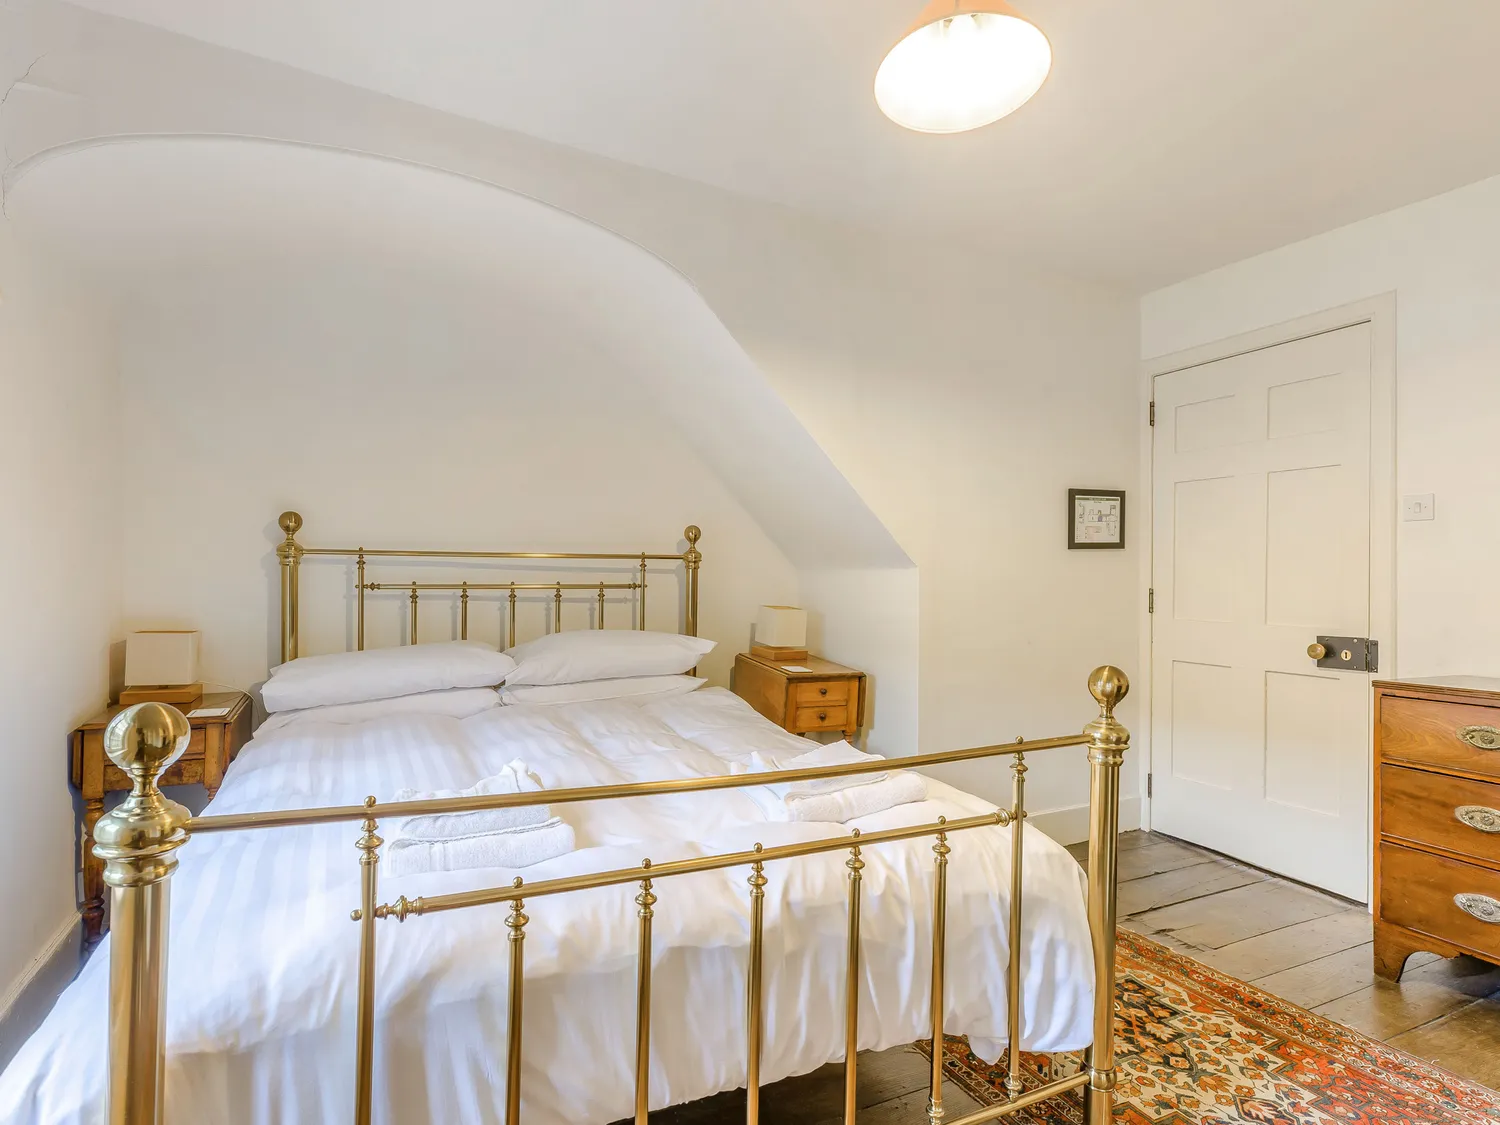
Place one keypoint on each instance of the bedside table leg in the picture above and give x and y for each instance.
(92, 908)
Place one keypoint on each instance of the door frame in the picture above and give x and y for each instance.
(1379, 312)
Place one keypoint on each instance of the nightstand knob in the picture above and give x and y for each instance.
(822, 716)
(822, 691)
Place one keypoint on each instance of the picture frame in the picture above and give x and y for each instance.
(1096, 519)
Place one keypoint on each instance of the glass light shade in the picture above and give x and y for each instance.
(962, 65)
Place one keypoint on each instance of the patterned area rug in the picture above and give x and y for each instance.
(1195, 1047)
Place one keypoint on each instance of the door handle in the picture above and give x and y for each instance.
(1349, 654)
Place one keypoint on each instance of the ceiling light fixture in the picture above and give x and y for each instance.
(963, 64)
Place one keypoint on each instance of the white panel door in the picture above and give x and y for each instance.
(1261, 542)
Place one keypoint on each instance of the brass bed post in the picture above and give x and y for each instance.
(359, 584)
(515, 921)
(413, 639)
(137, 840)
(463, 613)
(641, 603)
(512, 634)
(753, 990)
(289, 552)
(1108, 741)
(364, 1044)
(599, 624)
(557, 609)
(851, 986)
(691, 559)
(939, 941)
(1013, 973)
(645, 900)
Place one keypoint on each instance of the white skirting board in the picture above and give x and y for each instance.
(31, 996)
(1071, 825)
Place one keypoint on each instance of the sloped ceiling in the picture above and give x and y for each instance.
(1172, 137)
(133, 209)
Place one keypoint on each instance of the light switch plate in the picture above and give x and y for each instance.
(1417, 507)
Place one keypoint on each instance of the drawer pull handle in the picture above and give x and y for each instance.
(1479, 816)
(822, 691)
(1481, 738)
(1483, 907)
(822, 716)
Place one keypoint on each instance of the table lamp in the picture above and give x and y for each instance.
(161, 666)
(780, 633)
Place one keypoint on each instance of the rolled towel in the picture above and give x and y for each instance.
(833, 799)
(516, 847)
(901, 787)
(833, 754)
(514, 778)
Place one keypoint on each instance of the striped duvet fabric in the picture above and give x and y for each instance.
(260, 1025)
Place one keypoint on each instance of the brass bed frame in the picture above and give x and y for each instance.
(138, 841)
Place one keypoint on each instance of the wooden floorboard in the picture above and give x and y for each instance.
(1313, 950)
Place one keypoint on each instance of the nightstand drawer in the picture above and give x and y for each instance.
(819, 718)
(818, 694)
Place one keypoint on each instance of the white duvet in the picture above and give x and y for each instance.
(260, 1025)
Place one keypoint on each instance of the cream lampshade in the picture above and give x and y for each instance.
(780, 633)
(161, 666)
(962, 64)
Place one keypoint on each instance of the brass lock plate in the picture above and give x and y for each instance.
(1350, 654)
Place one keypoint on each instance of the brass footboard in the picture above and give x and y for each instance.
(139, 839)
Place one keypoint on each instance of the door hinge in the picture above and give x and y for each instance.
(1150, 601)
(1148, 785)
(1153, 412)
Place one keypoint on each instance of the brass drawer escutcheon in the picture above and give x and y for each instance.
(1479, 816)
(1483, 907)
(1481, 738)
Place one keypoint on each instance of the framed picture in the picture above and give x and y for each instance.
(1096, 519)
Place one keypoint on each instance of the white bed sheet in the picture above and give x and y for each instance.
(260, 1026)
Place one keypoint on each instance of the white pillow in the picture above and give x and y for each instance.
(457, 703)
(383, 673)
(622, 688)
(604, 654)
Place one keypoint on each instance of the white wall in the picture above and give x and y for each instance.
(960, 396)
(1441, 257)
(962, 399)
(59, 505)
(397, 408)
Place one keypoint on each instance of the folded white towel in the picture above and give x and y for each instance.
(517, 847)
(901, 787)
(514, 778)
(836, 799)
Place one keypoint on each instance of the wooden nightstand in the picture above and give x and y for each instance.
(826, 697)
(215, 742)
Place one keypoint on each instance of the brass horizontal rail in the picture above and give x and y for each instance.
(592, 587)
(1024, 1101)
(602, 556)
(460, 900)
(233, 822)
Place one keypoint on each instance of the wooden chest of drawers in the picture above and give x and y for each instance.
(1437, 820)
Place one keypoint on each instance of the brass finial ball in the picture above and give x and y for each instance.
(692, 534)
(289, 522)
(145, 739)
(1108, 685)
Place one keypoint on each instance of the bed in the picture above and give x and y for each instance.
(300, 1016)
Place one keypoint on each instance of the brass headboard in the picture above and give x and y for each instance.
(290, 553)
